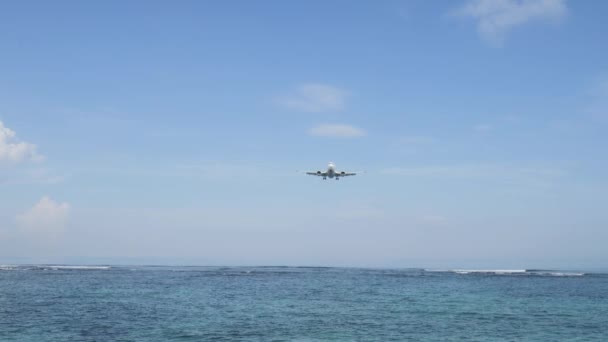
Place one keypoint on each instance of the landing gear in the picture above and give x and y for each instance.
(324, 178)
(337, 178)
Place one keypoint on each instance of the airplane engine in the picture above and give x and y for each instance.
(342, 173)
(318, 172)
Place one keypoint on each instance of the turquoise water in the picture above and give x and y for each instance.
(49, 303)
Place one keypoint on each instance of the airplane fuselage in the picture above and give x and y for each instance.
(331, 170)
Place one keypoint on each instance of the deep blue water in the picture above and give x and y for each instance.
(46, 303)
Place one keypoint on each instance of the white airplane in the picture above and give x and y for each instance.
(331, 172)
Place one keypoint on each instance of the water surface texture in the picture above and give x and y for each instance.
(122, 303)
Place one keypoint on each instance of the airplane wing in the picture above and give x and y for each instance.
(320, 174)
(340, 174)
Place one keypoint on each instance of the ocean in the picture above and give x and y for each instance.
(161, 303)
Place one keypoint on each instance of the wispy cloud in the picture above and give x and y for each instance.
(433, 219)
(598, 107)
(412, 144)
(482, 128)
(37, 175)
(495, 18)
(14, 151)
(46, 217)
(337, 131)
(356, 210)
(220, 170)
(537, 175)
(415, 140)
(314, 98)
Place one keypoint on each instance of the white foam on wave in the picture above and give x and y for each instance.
(510, 272)
(51, 267)
(76, 267)
(459, 271)
(558, 274)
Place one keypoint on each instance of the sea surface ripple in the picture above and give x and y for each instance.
(159, 303)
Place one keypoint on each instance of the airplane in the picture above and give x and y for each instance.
(331, 172)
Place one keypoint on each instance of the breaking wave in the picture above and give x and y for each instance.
(51, 267)
(79, 267)
(262, 270)
(514, 272)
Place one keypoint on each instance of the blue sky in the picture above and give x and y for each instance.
(142, 131)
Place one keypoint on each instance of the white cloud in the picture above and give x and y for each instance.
(315, 98)
(15, 151)
(337, 131)
(495, 18)
(46, 217)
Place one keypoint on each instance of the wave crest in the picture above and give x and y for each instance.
(514, 272)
